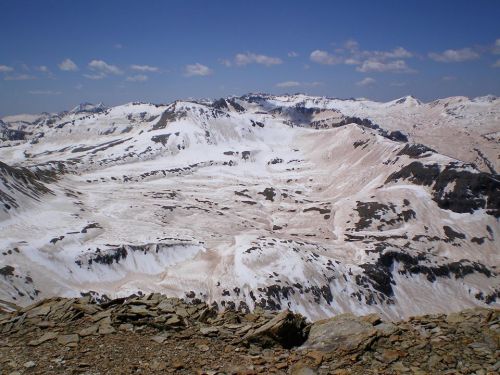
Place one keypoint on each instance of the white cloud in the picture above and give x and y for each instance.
(368, 81)
(103, 67)
(351, 45)
(323, 57)
(226, 62)
(44, 92)
(5, 69)
(496, 64)
(42, 68)
(252, 58)
(197, 70)
(96, 76)
(68, 65)
(454, 55)
(79, 86)
(118, 46)
(352, 61)
(396, 53)
(144, 68)
(137, 78)
(496, 47)
(448, 78)
(293, 54)
(397, 66)
(288, 84)
(19, 77)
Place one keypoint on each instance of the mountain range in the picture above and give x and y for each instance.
(315, 204)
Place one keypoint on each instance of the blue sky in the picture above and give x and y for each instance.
(56, 54)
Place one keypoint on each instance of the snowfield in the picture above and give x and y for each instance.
(319, 205)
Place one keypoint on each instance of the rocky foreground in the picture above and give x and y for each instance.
(154, 334)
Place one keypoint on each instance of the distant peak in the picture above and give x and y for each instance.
(88, 107)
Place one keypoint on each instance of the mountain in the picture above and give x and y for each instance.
(315, 204)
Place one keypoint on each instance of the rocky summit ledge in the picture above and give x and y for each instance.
(155, 334)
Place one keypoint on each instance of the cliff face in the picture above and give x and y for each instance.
(154, 334)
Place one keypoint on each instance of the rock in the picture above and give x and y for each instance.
(181, 311)
(106, 329)
(166, 307)
(316, 357)
(160, 339)
(174, 321)
(141, 310)
(45, 337)
(203, 348)
(177, 364)
(209, 331)
(29, 364)
(70, 340)
(390, 355)
(91, 330)
(87, 308)
(301, 369)
(101, 315)
(39, 311)
(345, 332)
(286, 329)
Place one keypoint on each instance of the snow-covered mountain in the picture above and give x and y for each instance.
(320, 205)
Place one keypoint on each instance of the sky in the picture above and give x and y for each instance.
(55, 54)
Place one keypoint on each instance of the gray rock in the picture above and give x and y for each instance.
(209, 331)
(45, 337)
(174, 321)
(344, 332)
(29, 364)
(71, 340)
(286, 329)
(91, 330)
(160, 339)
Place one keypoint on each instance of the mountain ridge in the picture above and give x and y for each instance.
(262, 201)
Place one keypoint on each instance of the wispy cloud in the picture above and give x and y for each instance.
(118, 46)
(137, 78)
(397, 66)
(103, 67)
(398, 84)
(496, 64)
(19, 77)
(68, 65)
(44, 92)
(42, 68)
(454, 55)
(6, 69)
(288, 84)
(197, 70)
(293, 54)
(325, 58)
(144, 68)
(496, 47)
(242, 59)
(448, 78)
(95, 77)
(368, 81)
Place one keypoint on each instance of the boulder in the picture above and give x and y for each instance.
(345, 332)
(285, 329)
